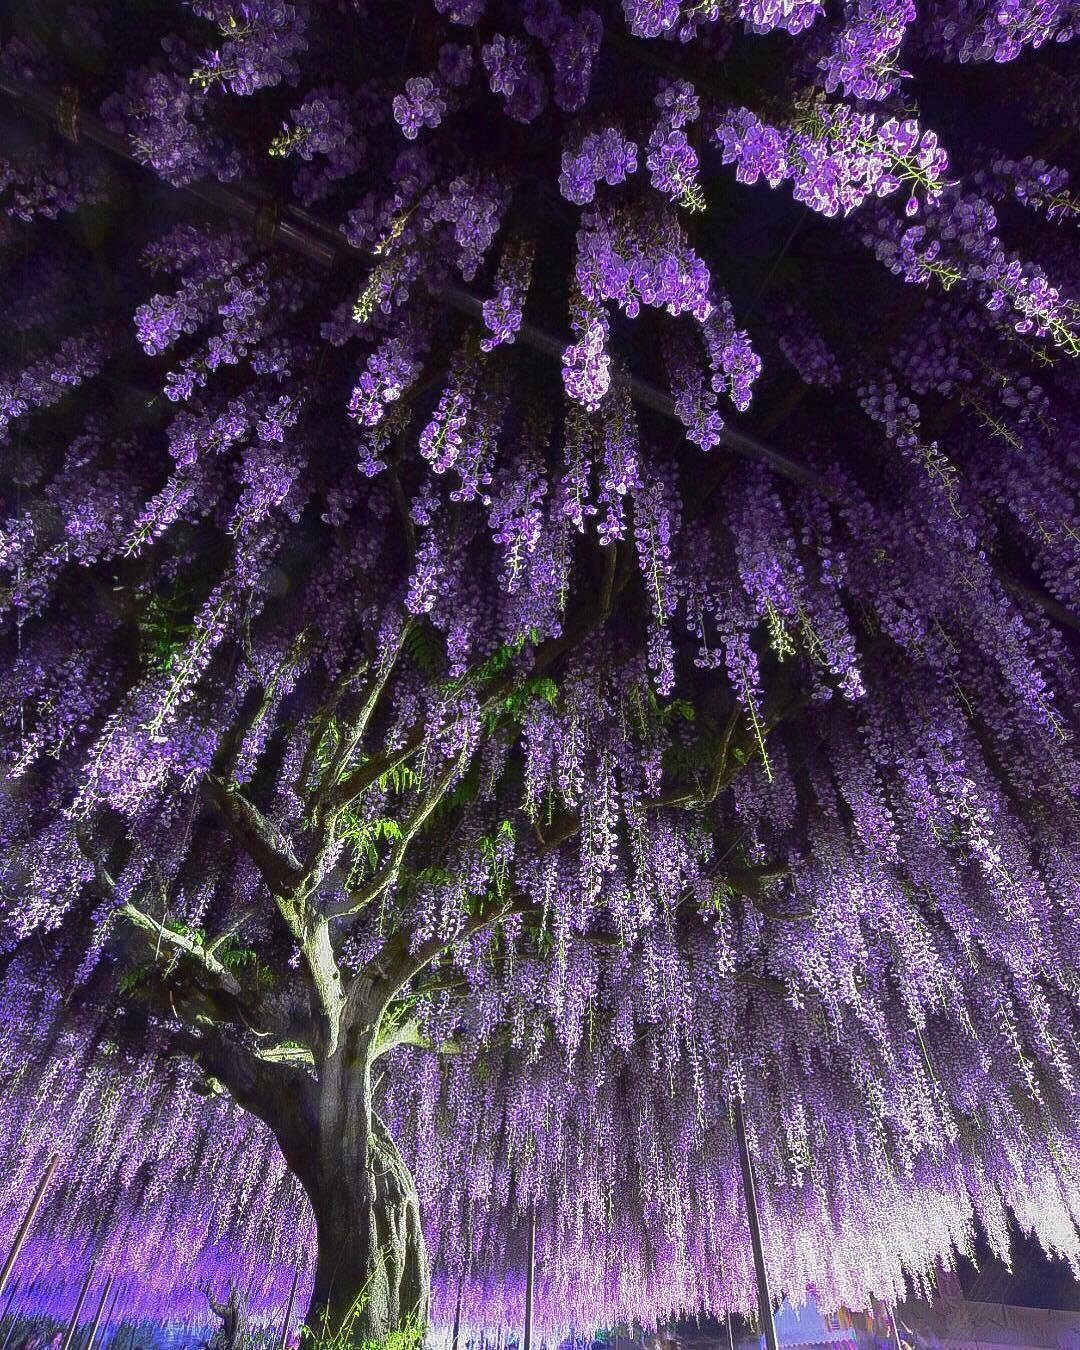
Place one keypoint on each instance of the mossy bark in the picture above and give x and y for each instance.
(371, 1276)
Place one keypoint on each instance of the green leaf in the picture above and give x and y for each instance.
(133, 981)
(166, 627)
(235, 957)
(399, 778)
(426, 647)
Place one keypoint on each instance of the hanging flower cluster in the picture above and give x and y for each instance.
(438, 623)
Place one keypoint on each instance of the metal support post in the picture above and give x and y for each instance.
(73, 1325)
(765, 1313)
(28, 1221)
(529, 1275)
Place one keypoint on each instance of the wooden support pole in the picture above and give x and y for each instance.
(73, 1325)
(898, 1344)
(289, 1307)
(7, 1335)
(765, 1313)
(529, 1277)
(10, 1301)
(109, 1314)
(456, 1342)
(7, 1309)
(28, 1221)
(100, 1310)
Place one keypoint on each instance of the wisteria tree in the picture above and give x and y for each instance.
(486, 779)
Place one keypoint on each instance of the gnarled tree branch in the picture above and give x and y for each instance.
(258, 836)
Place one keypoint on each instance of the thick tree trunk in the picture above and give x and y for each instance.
(371, 1277)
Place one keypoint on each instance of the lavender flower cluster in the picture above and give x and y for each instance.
(408, 704)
